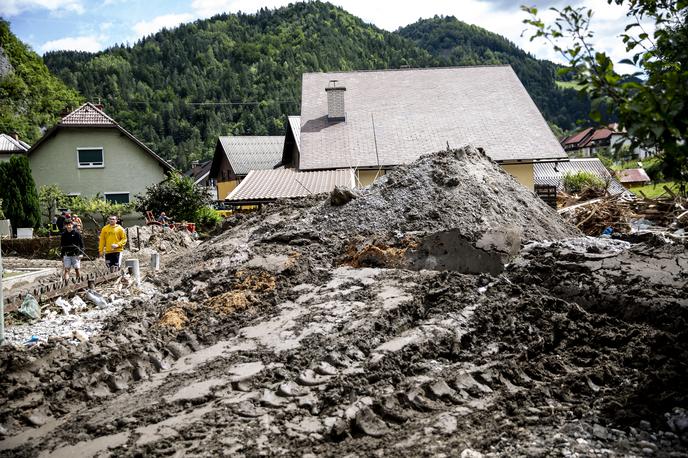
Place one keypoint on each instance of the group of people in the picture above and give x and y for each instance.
(57, 225)
(111, 243)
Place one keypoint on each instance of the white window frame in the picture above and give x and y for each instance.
(105, 194)
(90, 166)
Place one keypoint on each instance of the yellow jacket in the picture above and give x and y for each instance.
(112, 236)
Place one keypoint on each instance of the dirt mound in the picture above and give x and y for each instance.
(460, 189)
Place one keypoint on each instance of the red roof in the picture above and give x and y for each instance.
(633, 176)
(577, 138)
(599, 134)
(88, 115)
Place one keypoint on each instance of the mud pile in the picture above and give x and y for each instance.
(264, 341)
(458, 189)
(452, 210)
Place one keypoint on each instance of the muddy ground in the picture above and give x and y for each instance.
(309, 330)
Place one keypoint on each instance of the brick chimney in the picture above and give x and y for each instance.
(335, 102)
(15, 135)
(99, 106)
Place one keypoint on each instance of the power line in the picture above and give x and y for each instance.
(149, 102)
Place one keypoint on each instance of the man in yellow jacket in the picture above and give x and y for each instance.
(112, 241)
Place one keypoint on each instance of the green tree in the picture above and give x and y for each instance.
(18, 193)
(96, 209)
(177, 196)
(32, 97)
(651, 104)
(51, 197)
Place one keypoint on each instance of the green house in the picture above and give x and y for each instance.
(88, 153)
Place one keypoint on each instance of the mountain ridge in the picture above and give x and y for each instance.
(240, 74)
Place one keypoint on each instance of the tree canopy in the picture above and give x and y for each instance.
(651, 104)
(18, 193)
(32, 97)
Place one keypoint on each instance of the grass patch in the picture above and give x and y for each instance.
(657, 189)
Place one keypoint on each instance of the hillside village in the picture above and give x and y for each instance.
(405, 259)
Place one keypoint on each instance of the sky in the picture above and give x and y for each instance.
(93, 25)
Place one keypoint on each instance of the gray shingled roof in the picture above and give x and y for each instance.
(9, 144)
(268, 185)
(295, 126)
(88, 115)
(407, 113)
(246, 153)
(546, 175)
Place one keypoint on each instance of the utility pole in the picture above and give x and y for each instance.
(2, 301)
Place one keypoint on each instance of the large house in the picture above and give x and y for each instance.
(87, 153)
(10, 145)
(371, 121)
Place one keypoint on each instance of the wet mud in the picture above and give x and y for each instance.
(279, 337)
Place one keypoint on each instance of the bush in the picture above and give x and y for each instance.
(207, 218)
(575, 183)
(177, 196)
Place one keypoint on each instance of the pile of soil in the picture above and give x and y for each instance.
(264, 341)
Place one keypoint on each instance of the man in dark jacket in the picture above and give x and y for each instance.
(72, 247)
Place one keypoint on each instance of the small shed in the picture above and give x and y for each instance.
(633, 178)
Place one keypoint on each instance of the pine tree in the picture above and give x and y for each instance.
(18, 193)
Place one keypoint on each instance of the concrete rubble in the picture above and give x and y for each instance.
(443, 311)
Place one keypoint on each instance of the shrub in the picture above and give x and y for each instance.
(207, 218)
(575, 183)
(177, 196)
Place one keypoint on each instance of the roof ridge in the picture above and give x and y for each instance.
(450, 67)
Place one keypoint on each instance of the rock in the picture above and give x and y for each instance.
(440, 389)
(36, 419)
(341, 195)
(269, 399)
(369, 423)
(247, 409)
(325, 368)
(290, 389)
(310, 378)
(470, 453)
(599, 432)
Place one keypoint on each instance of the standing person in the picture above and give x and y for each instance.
(71, 247)
(112, 241)
(60, 222)
(76, 221)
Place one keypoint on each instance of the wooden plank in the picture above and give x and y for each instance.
(669, 191)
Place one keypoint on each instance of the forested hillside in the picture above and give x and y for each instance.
(457, 43)
(166, 88)
(240, 74)
(30, 96)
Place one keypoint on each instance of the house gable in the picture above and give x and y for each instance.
(126, 168)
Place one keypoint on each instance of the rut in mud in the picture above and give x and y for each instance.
(306, 329)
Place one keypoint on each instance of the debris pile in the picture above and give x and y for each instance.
(623, 212)
(158, 238)
(309, 329)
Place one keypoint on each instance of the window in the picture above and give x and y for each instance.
(90, 157)
(117, 197)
